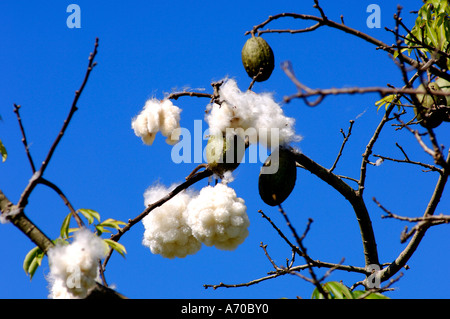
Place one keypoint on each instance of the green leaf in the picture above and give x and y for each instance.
(436, 3)
(432, 36)
(32, 261)
(60, 241)
(338, 290)
(101, 230)
(387, 100)
(29, 258)
(316, 294)
(65, 226)
(396, 53)
(116, 246)
(3, 152)
(335, 289)
(442, 36)
(375, 295)
(89, 214)
(112, 223)
(72, 230)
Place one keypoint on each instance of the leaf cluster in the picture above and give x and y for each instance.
(431, 30)
(33, 258)
(337, 290)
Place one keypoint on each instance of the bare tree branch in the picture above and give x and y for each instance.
(35, 178)
(346, 137)
(430, 167)
(404, 256)
(374, 138)
(190, 181)
(17, 217)
(436, 152)
(421, 222)
(324, 21)
(353, 197)
(15, 213)
(65, 200)
(24, 138)
(322, 93)
(176, 95)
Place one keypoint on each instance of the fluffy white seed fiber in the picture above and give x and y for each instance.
(166, 231)
(250, 110)
(214, 217)
(157, 116)
(218, 217)
(74, 267)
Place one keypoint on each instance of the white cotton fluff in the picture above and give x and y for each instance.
(252, 112)
(74, 267)
(214, 217)
(218, 217)
(166, 232)
(157, 116)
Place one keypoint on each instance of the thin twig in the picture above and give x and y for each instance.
(321, 93)
(374, 138)
(317, 6)
(316, 263)
(430, 167)
(176, 95)
(299, 240)
(330, 270)
(378, 290)
(195, 170)
(254, 79)
(346, 137)
(192, 180)
(324, 21)
(402, 150)
(66, 201)
(264, 247)
(418, 235)
(436, 152)
(24, 138)
(73, 109)
(34, 180)
(246, 284)
(349, 178)
(282, 235)
(432, 218)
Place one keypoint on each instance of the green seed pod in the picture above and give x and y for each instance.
(444, 85)
(277, 177)
(257, 54)
(426, 117)
(224, 154)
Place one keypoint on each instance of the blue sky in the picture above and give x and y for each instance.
(150, 48)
